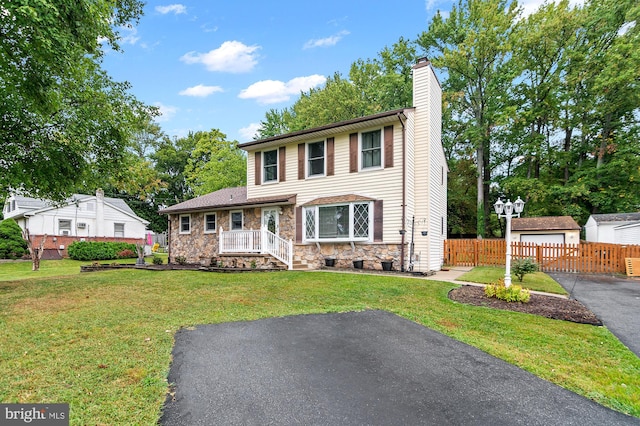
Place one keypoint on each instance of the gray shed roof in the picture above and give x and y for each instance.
(616, 217)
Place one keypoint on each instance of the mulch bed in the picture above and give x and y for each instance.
(546, 306)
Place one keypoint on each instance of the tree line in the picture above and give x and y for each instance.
(543, 106)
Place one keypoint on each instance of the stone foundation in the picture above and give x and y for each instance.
(372, 255)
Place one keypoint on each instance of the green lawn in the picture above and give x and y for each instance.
(538, 281)
(102, 341)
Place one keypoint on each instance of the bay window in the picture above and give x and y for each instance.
(346, 222)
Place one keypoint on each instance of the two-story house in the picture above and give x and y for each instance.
(369, 189)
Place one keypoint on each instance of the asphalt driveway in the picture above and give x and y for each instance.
(615, 300)
(356, 368)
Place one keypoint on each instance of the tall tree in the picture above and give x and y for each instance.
(472, 47)
(215, 163)
(63, 120)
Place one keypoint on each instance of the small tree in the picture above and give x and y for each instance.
(34, 251)
(521, 267)
(12, 245)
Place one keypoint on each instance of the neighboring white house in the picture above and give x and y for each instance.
(614, 228)
(372, 188)
(94, 217)
(545, 230)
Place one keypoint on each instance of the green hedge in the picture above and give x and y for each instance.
(12, 245)
(97, 250)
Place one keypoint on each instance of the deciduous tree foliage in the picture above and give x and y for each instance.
(63, 121)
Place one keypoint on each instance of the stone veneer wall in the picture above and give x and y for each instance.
(201, 247)
(371, 254)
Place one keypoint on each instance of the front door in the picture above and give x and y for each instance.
(270, 219)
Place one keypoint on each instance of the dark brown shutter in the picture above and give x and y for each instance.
(330, 156)
(282, 164)
(299, 221)
(377, 220)
(353, 153)
(301, 148)
(258, 168)
(388, 146)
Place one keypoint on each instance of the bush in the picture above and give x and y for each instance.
(157, 260)
(98, 250)
(181, 260)
(521, 267)
(513, 293)
(12, 245)
(126, 253)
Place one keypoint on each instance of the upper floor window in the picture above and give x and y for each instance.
(118, 230)
(209, 222)
(270, 168)
(236, 220)
(185, 224)
(315, 155)
(371, 149)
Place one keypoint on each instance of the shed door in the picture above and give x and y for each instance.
(542, 238)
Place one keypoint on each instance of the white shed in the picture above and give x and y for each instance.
(615, 228)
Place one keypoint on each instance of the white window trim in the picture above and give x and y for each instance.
(324, 160)
(114, 229)
(361, 157)
(264, 164)
(180, 224)
(61, 229)
(345, 239)
(204, 223)
(231, 220)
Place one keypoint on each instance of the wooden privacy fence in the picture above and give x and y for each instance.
(584, 257)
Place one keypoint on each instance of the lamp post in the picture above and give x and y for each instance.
(508, 210)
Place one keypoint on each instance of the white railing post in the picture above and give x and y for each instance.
(290, 255)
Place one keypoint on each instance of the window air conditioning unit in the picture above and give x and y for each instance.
(65, 232)
(82, 225)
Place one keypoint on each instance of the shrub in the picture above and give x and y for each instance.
(521, 267)
(157, 260)
(98, 250)
(181, 260)
(513, 293)
(12, 245)
(126, 253)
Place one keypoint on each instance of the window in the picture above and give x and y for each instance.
(338, 222)
(64, 227)
(270, 160)
(210, 223)
(118, 230)
(371, 146)
(13, 205)
(236, 220)
(185, 224)
(315, 154)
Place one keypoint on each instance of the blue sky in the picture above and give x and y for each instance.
(223, 65)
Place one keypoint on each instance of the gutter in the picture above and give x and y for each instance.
(404, 190)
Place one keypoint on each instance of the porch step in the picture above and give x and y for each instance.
(299, 266)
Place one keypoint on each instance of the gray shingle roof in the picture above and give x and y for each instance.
(616, 217)
(28, 203)
(226, 198)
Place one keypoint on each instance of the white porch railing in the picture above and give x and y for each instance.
(257, 241)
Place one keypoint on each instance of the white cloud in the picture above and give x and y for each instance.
(128, 35)
(274, 91)
(200, 91)
(231, 56)
(327, 41)
(172, 8)
(250, 131)
(167, 112)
